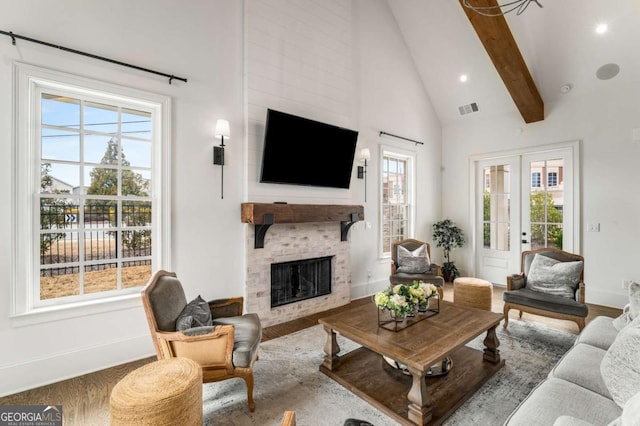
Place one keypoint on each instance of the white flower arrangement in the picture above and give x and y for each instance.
(404, 299)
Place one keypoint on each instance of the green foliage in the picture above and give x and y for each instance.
(104, 181)
(541, 201)
(447, 235)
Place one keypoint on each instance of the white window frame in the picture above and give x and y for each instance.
(410, 156)
(538, 180)
(28, 81)
(555, 178)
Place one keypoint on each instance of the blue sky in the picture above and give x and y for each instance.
(100, 125)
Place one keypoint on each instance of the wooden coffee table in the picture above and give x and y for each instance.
(413, 399)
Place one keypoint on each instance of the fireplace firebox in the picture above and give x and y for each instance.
(300, 279)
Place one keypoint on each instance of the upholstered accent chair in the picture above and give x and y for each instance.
(226, 349)
(521, 294)
(431, 275)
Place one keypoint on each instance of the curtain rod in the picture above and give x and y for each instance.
(13, 36)
(401, 137)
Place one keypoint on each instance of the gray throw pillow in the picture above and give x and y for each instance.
(620, 366)
(413, 262)
(195, 314)
(552, 276)
(632, 310)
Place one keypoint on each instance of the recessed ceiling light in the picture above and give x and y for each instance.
(601, 28)
(464, 78)
(566, 88)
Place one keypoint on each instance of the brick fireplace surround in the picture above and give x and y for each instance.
(296, 232)
(296, 241)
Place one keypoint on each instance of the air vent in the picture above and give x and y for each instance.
(469, 108)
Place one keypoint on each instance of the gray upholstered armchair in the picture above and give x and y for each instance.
(431, 275)
(225, 349)
(563, 301)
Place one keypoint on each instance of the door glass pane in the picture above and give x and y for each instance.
(496, 207)
(546, 203)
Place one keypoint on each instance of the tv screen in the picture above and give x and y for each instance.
(300, 151)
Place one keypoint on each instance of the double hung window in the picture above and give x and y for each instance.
(91, 156)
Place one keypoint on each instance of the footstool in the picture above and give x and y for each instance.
(472, 292)
(165, 392)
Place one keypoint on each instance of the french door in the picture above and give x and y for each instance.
(524, 201)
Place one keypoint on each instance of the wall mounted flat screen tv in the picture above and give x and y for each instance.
(300, 151)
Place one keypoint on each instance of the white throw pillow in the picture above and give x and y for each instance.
(620, 367)
(413, 262)
(552, 276)
(632, 310)
(631, 412)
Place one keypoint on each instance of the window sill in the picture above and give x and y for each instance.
(74, 310)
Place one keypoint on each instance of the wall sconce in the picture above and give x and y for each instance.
(365, 155)
(222, 131)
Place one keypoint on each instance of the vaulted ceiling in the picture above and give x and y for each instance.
(558, 42)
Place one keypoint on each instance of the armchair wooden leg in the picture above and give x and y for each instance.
(580, 323)
(249, 381)
(506, 315)
(440, 293)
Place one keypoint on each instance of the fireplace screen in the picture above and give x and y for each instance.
(299, 280)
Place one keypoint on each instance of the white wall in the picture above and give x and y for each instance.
(391, 98)
(603, 121)
(201, 40)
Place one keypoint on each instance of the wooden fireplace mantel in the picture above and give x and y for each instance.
(263, 215)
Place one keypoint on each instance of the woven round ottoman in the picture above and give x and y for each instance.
(472, 292)
(165, 392)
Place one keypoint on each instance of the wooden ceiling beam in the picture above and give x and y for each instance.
(495, 35)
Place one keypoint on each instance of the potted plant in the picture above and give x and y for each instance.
(448, 236)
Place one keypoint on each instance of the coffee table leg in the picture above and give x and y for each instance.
(331, 349)
(491, 343)
(420, 402)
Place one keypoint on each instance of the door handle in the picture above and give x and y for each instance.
(525, 241)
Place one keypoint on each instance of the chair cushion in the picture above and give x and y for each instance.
(247, 336)
(546, 302)
(632, 310)
(195, 314)
(555, 397)
(413, 262)
(408, 279)
(555, 277)
(620, 366)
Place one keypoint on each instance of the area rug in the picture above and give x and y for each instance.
(287, 378)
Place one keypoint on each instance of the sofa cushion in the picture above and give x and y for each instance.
(552, 276)
(572, 421)
(247, 336)
(413, 262)
(631, 310)
(620, 366)
(555, 397)
(599, 332)
(581, 365)
(545, 301)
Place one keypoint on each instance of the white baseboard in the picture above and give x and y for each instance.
(606, 298)
(53, 368)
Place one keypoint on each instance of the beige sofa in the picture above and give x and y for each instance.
(597, 382)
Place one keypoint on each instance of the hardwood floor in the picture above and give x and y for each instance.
(85, 399)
